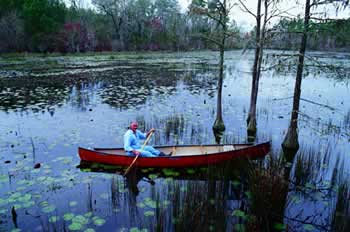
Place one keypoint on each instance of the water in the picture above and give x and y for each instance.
(51, 106)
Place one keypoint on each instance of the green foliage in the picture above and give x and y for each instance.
(10, 5)
(133, 25)
(43, 18)
(323, 34)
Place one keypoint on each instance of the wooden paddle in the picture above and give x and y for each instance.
(143, 146)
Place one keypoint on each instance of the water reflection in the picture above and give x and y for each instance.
(188, 200)
(93, 108)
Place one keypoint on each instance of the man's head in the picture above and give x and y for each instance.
(134, 126)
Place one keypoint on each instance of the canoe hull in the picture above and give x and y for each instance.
(251, 152)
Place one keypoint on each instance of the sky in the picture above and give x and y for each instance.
(246, 22)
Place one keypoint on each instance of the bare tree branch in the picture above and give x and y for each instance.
(246, 9)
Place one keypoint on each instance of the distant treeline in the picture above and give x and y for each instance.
(53, 26)
(329, 35)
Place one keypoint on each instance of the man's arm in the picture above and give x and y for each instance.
(127, 144)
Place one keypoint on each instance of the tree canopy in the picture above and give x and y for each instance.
(52, 25)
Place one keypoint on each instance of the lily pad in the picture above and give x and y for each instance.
(3, 202)
(53, 219)
(236, 183)
(170, 172)
(28, 204)
(73, 203)
(99, 221)
(141, 205)
(135, 229)
(309, 227)
(27, 197)
(48, 209)
(89, 230)
(190, 171)
(68, 216)
(152, 176)
(16, 230)
(248, 194)
(75, 226)
(238, 213)
(34, 171)
(20, 189)
(280, 226)
(15, 195)
(80, 219)
(166, 203)
(149, 213)
(183, 188)
(150, 203)
(89, 214)
(3, 211)
(168, 180)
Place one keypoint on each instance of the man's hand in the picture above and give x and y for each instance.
(136, 152)
(150, 131)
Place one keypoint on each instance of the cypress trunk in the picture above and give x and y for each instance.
(251, 120)
(219, 125)
(291, 140)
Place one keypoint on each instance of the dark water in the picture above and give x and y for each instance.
(51, 106)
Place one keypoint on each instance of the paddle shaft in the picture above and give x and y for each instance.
(137, 156)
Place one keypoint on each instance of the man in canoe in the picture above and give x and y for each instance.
(132, 143)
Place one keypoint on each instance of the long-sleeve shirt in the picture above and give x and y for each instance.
(132, 141)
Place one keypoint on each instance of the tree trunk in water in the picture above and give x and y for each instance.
(291, 140)
(219, 126)
(251, 120)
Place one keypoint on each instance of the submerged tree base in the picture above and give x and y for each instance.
(290, 144)
(251, 130)
(218, 129)
(289, 154)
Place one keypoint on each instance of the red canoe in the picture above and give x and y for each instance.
(182, 156)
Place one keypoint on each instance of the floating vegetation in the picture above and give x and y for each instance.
(148, 213)
(98, 221)
(135, 229)
(150, 203)
(46, 208)
(75, 226)
(68, 216)
(54, 219)
(238, 213)
(73, 203)
(141, 205)
(280, 227)
(190, 171)
(3, 178)
(152, 176)
(309, 227)
(170, 172)
(89, 230)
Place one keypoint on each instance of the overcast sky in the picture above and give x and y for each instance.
(247, 22)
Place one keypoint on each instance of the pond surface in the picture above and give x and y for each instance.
(49, 106)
